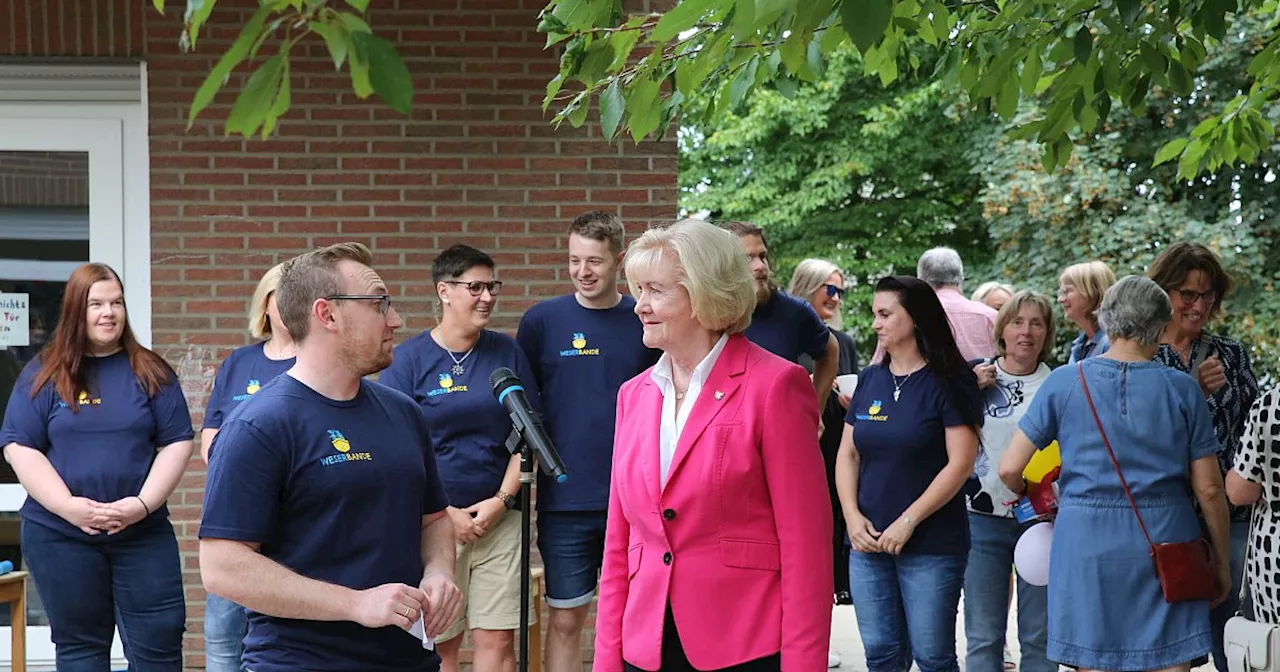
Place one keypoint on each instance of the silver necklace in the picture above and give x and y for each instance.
(457, 369)
(897, 387)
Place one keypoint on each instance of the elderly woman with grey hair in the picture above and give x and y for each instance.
(1108, 611)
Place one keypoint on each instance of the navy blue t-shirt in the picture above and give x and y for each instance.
(580, 357)
(241, 375)
(105, 450)
(903, 446)
(335, 491)
(788, 327)
(468, 427)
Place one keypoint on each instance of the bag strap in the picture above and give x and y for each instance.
(1115, 463)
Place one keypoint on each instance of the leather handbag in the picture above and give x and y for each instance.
(1250, 646)
(1185, 568)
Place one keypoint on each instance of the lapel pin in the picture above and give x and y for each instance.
(719, 395)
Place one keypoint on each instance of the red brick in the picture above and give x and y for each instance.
(477, 162)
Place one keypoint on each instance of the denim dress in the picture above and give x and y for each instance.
(1106, 608)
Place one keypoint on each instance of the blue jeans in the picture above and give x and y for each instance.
(225, 623)
(572, 548)
(1218, 617)
(906, 607)
(90, 588)
(986, 600)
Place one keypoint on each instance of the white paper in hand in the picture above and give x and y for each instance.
(419, 630)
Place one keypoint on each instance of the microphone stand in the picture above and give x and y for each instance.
(516, 443)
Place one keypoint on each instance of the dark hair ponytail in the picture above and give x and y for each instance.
(937, 345)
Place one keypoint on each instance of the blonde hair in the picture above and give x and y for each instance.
(259, 321)
(1091, 279)
(711, 267)
(809, 275)
(1011, 309)
(980, 294)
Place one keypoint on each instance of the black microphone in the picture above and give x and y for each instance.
(510, 393)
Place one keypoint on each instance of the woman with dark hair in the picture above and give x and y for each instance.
(446, 370)
(909, 444)
(99, 434)
(1196, 283)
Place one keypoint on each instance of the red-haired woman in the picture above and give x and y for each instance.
(98, 433)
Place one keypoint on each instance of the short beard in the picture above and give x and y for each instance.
(361, 361)
(766, 288)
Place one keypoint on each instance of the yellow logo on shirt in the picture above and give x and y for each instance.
(873, 413)
(343, 446)
(580, 349)
(447, 386)
(249, 390)
(84, 399)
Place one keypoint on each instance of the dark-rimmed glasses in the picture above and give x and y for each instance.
(384, 300)
(477, 287)
(834, 291)
(1190, 296)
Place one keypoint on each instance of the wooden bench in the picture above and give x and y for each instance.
(13, 590)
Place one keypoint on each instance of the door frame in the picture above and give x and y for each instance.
(113, 129)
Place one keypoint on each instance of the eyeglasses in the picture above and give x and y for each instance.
(477, 287)
(1190, 296)
(384, 300)
(834, 291)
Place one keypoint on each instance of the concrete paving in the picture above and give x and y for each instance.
(846, 643)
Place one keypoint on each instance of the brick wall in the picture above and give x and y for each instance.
(477, 163)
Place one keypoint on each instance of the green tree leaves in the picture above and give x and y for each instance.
(266, 96)
(1085, 57)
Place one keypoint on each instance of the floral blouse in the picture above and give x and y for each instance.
(1230, 406)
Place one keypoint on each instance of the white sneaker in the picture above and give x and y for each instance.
(833, 660)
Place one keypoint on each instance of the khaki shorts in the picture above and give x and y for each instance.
(488, 572)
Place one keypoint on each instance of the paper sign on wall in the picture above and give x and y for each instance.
(15, 323)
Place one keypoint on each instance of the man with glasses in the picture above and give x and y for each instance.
(324, 514)
(783, 324)
(446, 370)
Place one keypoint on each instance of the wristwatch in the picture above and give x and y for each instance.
(507, 500)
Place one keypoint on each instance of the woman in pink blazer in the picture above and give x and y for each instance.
(718, 545)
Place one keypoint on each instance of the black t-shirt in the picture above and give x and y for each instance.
(902, 445)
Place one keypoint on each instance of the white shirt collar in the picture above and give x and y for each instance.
(671, 423)
(661, 373)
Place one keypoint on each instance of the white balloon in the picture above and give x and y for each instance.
(1031, 555)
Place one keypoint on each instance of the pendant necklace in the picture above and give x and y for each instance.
(897, 387)
(457, 369)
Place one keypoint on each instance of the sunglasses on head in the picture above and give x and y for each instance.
(834, 291)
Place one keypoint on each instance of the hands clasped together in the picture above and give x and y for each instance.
(94, 518)
(865, 538)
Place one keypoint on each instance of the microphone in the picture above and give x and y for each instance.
(510, 393)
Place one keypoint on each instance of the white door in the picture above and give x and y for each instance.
(61, 204)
